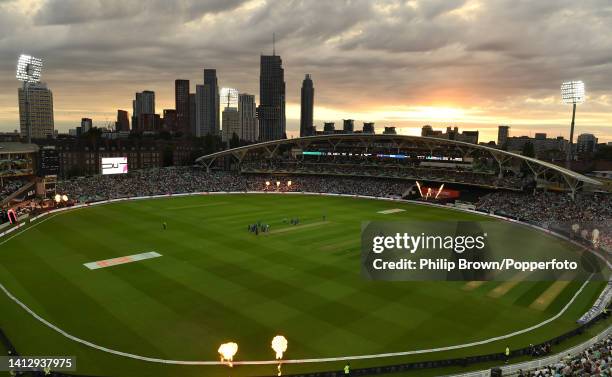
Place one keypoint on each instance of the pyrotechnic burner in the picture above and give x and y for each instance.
(439, 191)
(419, 187)
(227, 352)
(279, 345)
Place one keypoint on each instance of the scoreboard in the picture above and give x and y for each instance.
(48, 161)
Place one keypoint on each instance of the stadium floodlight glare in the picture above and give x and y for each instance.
(572, 93)
(229, 97)
(29, 69)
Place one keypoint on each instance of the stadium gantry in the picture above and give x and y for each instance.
(398, 156)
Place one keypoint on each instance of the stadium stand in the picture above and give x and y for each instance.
(594, 361)
(401, 157)
(8, 187)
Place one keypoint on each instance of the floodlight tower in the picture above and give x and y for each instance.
(29, 70)
(230, 96)
(572, 93)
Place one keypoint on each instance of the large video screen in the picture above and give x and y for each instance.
(114, 165)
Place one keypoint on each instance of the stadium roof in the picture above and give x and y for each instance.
(14, 147)
(538, 167)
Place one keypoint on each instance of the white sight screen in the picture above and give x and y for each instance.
(114, 165)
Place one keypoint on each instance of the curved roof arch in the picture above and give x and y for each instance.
(537, 166)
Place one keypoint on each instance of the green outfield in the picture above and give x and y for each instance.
(216, 282)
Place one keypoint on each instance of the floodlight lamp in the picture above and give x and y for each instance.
(29, 68)
(572, 92)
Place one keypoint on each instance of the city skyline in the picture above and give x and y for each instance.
(466, 63)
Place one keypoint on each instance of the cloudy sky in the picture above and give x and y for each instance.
(471, 63)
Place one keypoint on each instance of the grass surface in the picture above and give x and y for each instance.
(217, 282)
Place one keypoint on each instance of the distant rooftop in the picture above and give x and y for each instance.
(14, 147)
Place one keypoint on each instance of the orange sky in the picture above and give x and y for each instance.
(467, 63)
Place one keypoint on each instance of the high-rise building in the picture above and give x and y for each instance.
(247, 114)
(271, 109)
(390, 131)
(231, 123)
(192, 113)
(586, 143)
(39, 111)
(148, 123)
(170, 120)
(306, 108)
(123, 122)
(210, 121)
(329, 128)
(86, 125)
(181, 102)
(503, 132)
(200, 114)
(144, 103)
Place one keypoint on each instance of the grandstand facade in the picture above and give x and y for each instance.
(398, 157)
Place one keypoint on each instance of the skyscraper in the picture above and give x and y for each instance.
(200, 114)
(123, 123)
(40, 109)
(306, 108)
(144, 103)
(271, 110)
(247, 117)
(192, 113)
(181, 104)
(210, 121)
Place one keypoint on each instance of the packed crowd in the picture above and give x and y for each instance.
(546, 207)
(390, 170)
(183, 180)
(10, 186)
(579, 216)
(594, 361)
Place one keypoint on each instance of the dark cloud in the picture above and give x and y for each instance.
(69, 12)
(363, 55)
